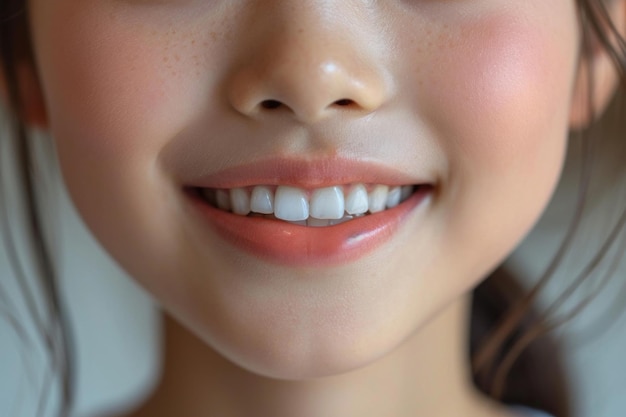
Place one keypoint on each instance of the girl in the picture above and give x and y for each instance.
(312, 189)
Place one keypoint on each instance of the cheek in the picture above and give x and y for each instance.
(117, 93)
(498, 106)
(502, 92)
(120, 84)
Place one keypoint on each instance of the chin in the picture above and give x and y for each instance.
(291, 363)
(295, 347)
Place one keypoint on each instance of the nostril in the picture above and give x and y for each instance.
(270, 104)
(344, 102)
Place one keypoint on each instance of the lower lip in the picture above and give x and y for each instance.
(293, 245)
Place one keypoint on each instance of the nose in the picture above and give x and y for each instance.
(309, 62)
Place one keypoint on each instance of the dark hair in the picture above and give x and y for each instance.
(508, 345)
(54, 328)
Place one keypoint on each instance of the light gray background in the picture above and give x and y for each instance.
(117, 327)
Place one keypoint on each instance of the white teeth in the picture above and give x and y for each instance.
(356, 200)
(262, 200)
(223, 199)
(342, 220)
(313, 222)
(393, 197)
(407, 190)
(240, 201)
(315, 208)
(327, 203)
(291, 204)
(377, 198)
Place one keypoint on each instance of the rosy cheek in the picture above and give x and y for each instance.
(114, 77)
(500, 89)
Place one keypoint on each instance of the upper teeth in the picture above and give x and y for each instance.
(297, 204)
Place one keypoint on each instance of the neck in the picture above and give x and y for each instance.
(427, 376)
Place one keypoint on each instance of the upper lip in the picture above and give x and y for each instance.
(306, 173)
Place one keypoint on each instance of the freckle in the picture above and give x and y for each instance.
(213, 35)
(193, 42)
(165, 59)
(177, 57)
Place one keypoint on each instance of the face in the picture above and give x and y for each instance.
(151, 102)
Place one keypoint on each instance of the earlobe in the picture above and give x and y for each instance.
(32, 111)
(595, 85)
(597, 77)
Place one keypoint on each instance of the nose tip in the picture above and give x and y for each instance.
(307, 74)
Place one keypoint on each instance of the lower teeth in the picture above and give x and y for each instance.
(311, 221)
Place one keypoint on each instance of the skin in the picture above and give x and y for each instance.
(473, 95)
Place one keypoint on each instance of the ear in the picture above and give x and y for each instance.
(32, 111)
(604, 78)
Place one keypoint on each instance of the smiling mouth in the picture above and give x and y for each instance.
(306, 213)
(319, 207)
(290, 234)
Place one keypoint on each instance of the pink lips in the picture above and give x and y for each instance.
(305, 173)
(293, 245)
